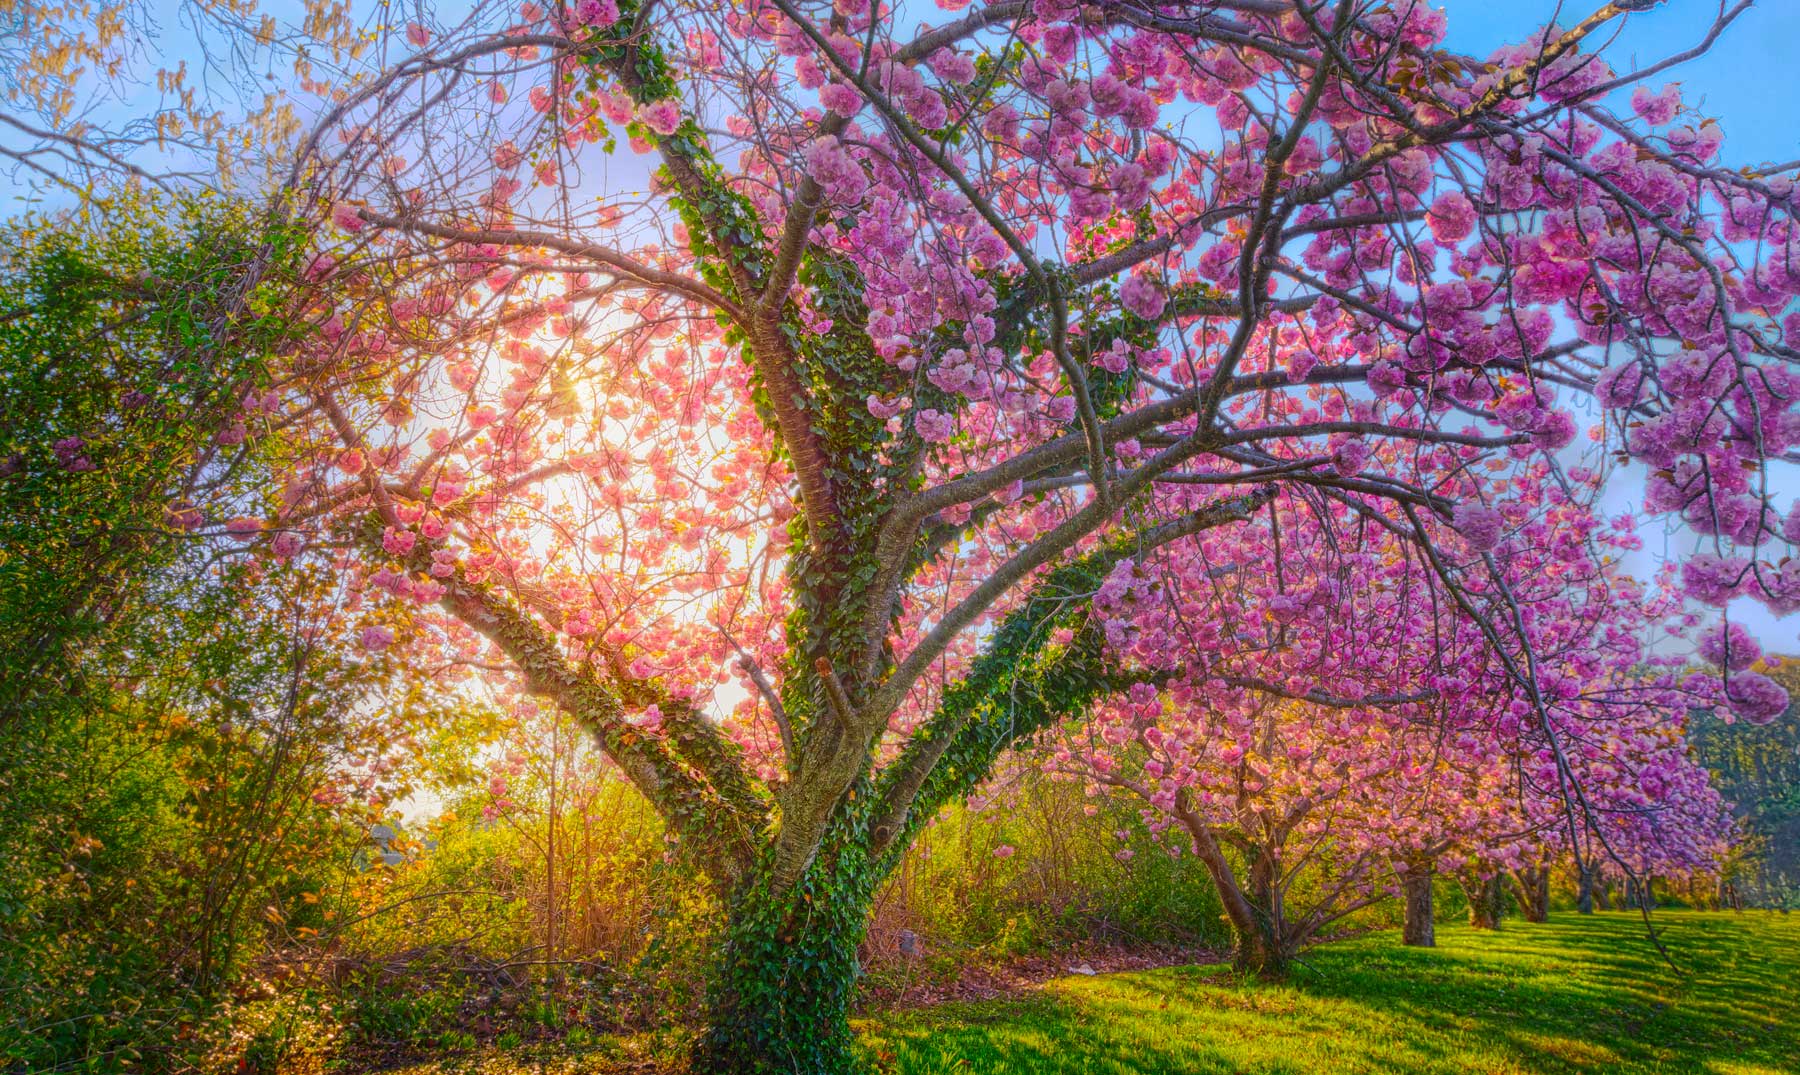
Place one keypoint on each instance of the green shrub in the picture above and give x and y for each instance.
(1038, 865)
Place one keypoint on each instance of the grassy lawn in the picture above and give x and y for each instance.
(1577, 994)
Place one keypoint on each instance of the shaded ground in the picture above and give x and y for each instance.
(1575, 995)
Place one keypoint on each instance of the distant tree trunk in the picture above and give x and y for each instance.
(1531, 885)
(1419, 930)
(1601, 899)
(1631, 893)
(1486, 900)
(1584, 888)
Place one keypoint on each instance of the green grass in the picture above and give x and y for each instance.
(1579, 994)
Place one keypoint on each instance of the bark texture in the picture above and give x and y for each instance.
(1420, 929)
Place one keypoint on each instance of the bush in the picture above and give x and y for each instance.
(1034, 866)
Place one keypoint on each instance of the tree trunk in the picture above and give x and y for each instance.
(1259, 953)
(1532, 887)
(1486, 900)
(779, 997)
(1601, 899)
(1259, 947)
(1419, 930)
(1584, 889)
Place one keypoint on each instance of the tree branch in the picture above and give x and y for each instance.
(1012, 680)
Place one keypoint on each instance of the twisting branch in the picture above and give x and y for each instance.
(1010, 657)
(701, 816)
(619, 263)
(1318, 696)
(777, 712)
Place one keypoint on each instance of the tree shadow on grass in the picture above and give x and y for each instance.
(1576, 994)
(1566, 993)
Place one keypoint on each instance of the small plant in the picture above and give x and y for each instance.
(293, 1034)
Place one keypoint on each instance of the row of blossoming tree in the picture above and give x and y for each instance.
(1332, 709)
(1218, 396)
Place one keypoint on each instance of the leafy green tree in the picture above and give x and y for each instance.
(172, 714)
(1757, 767)
(125, 361)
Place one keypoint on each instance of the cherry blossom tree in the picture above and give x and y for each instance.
(1297, 810)
(1329, 699)
(1296, 710)
(845, 351)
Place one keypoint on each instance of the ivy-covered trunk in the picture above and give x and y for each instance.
(779, 999)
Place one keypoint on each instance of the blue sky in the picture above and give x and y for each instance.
(1746, 80)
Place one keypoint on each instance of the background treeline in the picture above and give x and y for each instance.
(1758, 769)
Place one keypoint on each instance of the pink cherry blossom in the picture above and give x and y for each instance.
(1656, 109)
(663, 117)
(1730, 646)
(1755, 697)
(1141, 295)
(347, 217)
(597, 13)
(1452, 217)
(934, 426)
(1481, 525)
(398, 542)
